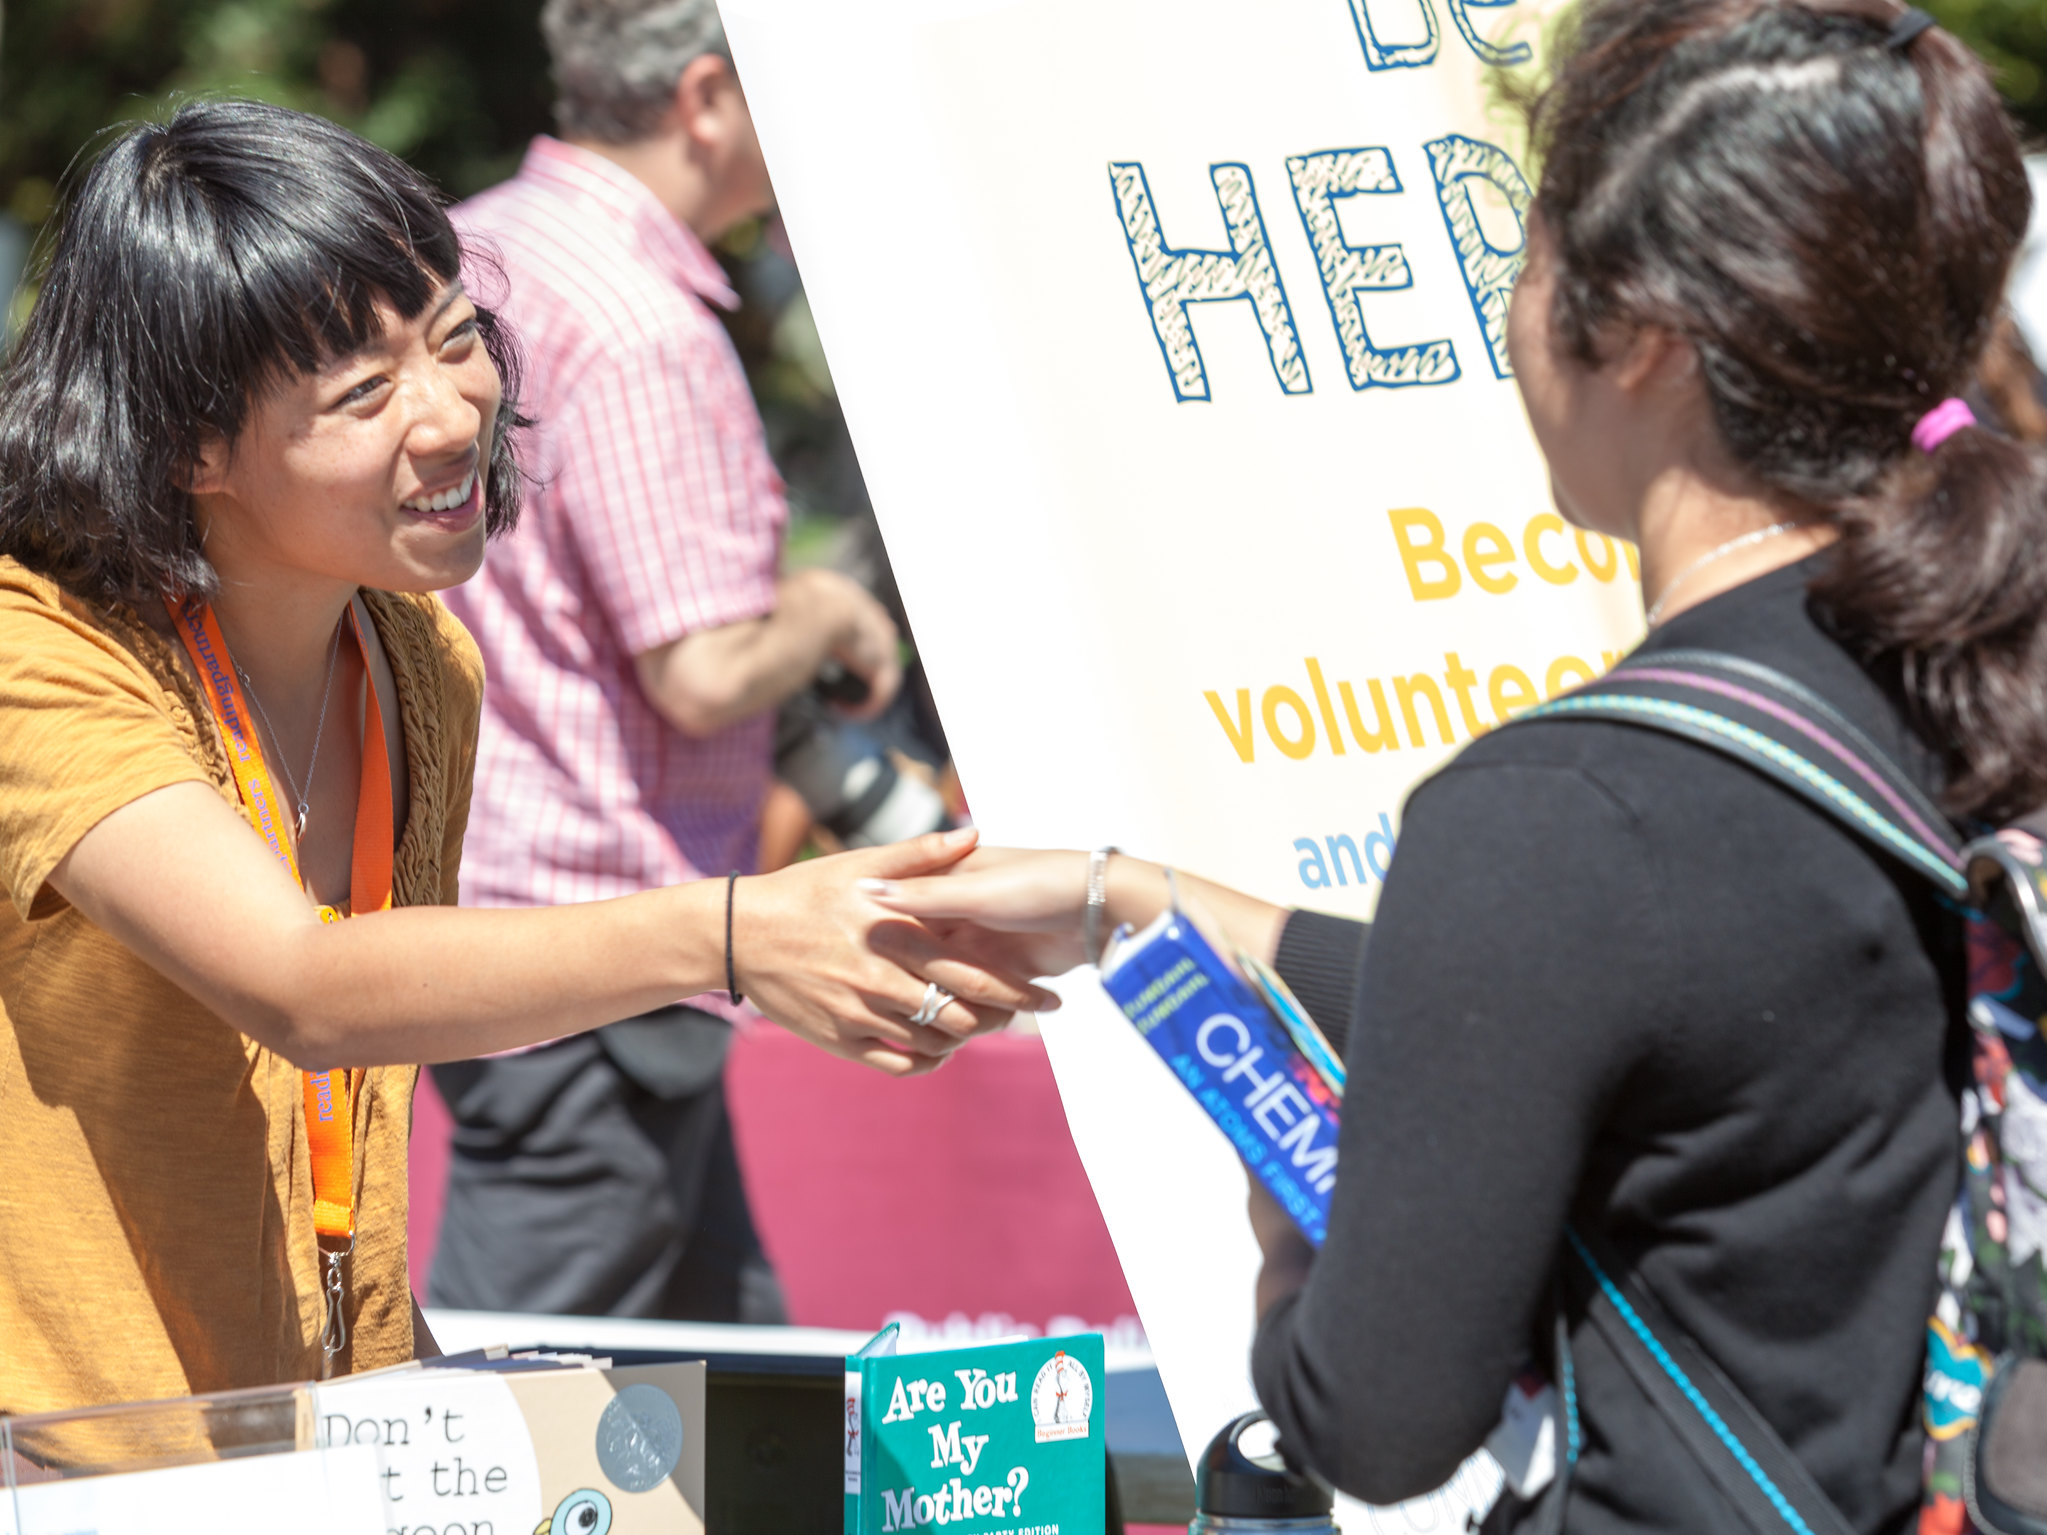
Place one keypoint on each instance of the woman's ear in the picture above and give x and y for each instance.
(1652, 358)
(206, 474)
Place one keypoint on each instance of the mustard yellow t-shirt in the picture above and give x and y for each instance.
(156, 1202)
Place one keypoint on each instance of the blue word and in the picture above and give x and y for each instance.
(1369, 860)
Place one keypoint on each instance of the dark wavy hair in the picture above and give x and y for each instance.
(1830, 220)
(195, 263)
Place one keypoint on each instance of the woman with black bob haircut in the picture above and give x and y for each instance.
(1622, 982)
(252, 423)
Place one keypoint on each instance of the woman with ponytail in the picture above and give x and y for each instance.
(1619, 983)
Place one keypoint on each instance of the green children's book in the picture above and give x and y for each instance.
(999, 1439)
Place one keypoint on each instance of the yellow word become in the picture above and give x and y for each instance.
(1290, 721)
(1433, 571)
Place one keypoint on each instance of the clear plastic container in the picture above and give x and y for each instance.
(235, 1461)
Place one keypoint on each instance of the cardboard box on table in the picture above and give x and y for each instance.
(515, 1448)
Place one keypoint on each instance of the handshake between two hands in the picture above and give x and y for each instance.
(859, 941)
(896, 956)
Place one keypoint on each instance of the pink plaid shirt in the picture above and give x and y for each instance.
(653, 512)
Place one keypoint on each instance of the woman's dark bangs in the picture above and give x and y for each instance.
(315, 252)
(197, 263)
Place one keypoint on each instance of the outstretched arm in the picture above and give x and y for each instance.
(1039, 898)
(176, 877)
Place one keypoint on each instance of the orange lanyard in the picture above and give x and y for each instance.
(329, 1133)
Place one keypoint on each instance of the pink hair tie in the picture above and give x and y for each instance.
(1941, 423)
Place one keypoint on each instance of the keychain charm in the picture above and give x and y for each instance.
(334, 1333)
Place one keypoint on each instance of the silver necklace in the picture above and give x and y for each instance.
(319, 729)
(1732, 546)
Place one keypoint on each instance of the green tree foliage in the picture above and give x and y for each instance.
(2012, 35)
(456, 86)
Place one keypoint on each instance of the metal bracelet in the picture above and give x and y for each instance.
(731, 975)
(1097, 902)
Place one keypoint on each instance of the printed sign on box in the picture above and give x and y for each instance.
(541, 1452)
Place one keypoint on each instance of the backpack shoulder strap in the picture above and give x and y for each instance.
(1754, 1469)
(1780, 728)
(1785, 731)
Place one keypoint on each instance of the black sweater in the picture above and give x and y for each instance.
(1620, 980)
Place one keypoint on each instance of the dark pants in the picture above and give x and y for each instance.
(597, 1177)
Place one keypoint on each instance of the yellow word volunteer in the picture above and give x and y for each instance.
(1291, 722)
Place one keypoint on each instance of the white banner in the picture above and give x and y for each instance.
(1172, 337)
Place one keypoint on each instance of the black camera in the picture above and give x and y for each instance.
(845, 772)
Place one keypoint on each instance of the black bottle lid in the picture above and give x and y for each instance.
(1236, 1485)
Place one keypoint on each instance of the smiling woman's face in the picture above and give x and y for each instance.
(369, 471)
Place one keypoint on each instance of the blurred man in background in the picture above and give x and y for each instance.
(638, 640)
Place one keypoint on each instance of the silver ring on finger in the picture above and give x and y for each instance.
(935, 998)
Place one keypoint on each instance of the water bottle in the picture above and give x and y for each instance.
(1244, 1488)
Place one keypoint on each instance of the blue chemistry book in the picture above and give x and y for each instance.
(1257, 1066)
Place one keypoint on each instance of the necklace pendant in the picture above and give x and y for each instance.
(300, 832)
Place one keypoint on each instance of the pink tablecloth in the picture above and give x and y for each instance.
(955, 1201)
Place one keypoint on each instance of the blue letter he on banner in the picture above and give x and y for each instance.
(1320, 181)
(1174, 278)
(1489, 272)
